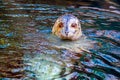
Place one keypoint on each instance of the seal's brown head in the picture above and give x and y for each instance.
(67, 27)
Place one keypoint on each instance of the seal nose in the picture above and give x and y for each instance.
(66, 32)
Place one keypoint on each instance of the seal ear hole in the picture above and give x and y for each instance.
(73, 25)
(60, 25)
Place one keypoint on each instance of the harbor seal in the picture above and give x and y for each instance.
(67, 27)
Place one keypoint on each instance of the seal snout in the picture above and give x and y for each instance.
(66, 32)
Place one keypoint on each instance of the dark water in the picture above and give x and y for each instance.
(26, 52)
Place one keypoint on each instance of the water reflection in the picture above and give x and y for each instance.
(27, 52)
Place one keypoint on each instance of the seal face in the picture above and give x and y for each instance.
(67, 27)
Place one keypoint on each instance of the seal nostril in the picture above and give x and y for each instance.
(66, 32)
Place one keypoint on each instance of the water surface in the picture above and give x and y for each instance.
(26, 45)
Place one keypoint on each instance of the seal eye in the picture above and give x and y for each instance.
(74, 25)
(60, 25)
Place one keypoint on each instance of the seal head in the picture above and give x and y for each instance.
(67, 27)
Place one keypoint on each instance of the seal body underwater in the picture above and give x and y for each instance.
(68, 28)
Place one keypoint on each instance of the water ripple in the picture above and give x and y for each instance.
(28, 51)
